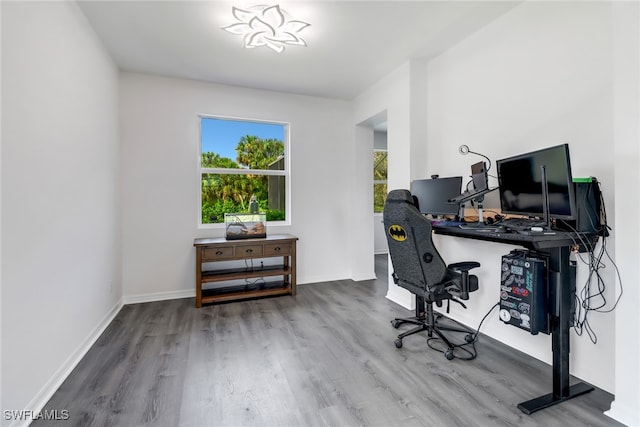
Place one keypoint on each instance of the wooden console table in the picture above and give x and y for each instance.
(210, 250)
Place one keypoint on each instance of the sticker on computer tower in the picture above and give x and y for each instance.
(523, 292)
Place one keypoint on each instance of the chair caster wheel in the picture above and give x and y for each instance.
(449, 354)
(395, 323)
(469, 338)
(398, 343)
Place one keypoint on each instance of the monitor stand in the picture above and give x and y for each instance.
(480, 223)
(546, 216)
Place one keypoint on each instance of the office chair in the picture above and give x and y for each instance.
(419, 268)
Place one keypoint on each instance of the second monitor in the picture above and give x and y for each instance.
(434, 194)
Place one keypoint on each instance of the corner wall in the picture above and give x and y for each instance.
(401, 95)
(626, 107)
(60, 207)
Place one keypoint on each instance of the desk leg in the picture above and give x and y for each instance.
(562, 288)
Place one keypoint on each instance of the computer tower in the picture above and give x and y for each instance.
(588, 212)
(524, 291)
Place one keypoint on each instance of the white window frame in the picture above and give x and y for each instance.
(286, 172)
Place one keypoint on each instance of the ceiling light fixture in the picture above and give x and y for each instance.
(268, 26)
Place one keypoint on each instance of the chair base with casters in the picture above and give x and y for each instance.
(418, 319)
(428, 321)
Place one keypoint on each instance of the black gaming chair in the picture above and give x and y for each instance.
(419, 268)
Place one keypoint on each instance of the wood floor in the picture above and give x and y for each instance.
(322, 358)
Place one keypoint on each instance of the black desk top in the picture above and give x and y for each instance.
(538, 241)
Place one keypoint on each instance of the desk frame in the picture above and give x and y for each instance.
(562, 287)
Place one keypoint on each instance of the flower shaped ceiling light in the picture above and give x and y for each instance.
(266, 26)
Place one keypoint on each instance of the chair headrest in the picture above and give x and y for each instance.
(400, 196)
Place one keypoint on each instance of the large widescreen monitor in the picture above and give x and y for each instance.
(521, 189)
(434, 194)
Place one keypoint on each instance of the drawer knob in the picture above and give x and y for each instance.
(248, 251)
(218, 252)
(276, 249)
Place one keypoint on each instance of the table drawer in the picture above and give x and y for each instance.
(276, 249)
(249, 251)
(217, 253)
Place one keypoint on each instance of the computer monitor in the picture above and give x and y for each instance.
(433, 195)
(521, 184)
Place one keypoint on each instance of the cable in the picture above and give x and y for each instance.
(473, 206)
(471, 338)
(248, 264)
(476, 334)
(592, 296)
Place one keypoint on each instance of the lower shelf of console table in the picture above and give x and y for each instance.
(254, 281)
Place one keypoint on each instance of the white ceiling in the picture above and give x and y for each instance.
(351, 44)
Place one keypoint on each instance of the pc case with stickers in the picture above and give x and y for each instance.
(524, 291)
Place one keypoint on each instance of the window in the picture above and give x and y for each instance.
(379, 179)
(243, 163)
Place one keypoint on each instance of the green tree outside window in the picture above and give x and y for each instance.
(257, 173)
(379, 180)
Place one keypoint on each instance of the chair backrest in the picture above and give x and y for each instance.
(416, 262)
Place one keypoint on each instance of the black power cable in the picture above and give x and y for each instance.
(471, 339)
(592, 296)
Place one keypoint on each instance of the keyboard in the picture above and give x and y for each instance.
(446, 223)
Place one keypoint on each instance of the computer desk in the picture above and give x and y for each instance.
(562, 287)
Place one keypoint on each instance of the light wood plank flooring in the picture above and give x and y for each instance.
(322, 358)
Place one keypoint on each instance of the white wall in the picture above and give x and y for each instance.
(380, 237)
(60, 206)
(160, 183)
(1, 406)
(389, 96)
(626, 55)
(540, 75)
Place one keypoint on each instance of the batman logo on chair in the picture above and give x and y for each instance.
(397, 233)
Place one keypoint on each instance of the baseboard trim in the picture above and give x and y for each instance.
(305, 280)
(628, 415)
(401, 297)
(159, 296)
(53, 384)
(362, 277)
